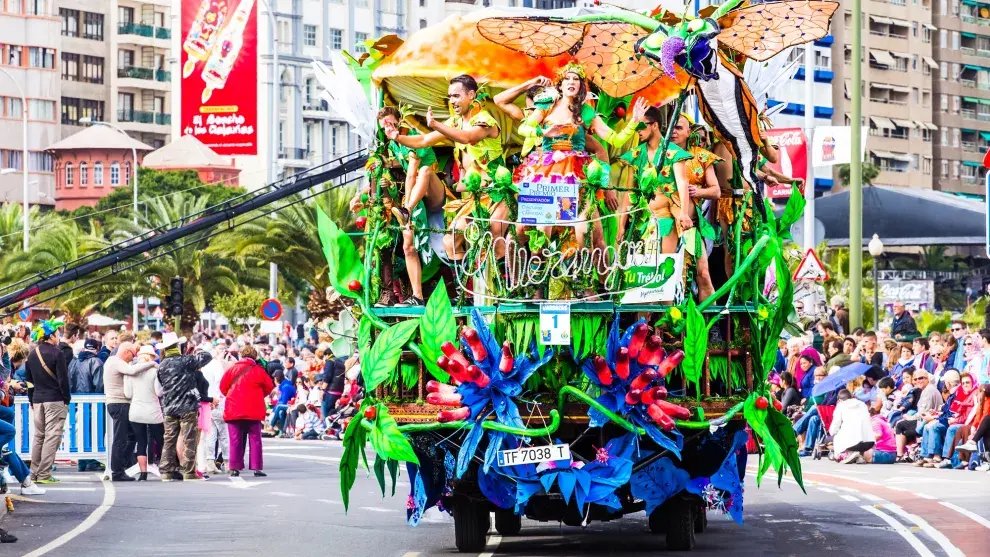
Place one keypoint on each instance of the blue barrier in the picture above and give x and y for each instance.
(85, 436)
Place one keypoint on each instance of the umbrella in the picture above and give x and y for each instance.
(97, 320)
(845, 374)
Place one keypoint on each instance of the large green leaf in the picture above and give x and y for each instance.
(380, 472)
(792, 212)
(437, 327)
(393, 471)
(364, 335)
(388, 441)
(385, 353)
(757, 420)
(695, 342)
(355, 438)
(782, 431)
(342, 257)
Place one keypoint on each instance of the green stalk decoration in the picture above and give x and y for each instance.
(754, 254)
(550, 429)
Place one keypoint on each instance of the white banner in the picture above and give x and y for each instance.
(832, 145)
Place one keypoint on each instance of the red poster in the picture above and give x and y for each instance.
(793, 159)
(220, 74)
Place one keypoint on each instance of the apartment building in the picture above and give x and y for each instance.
(114, 69)
(897, 81)
(29, 66)
(961, 47)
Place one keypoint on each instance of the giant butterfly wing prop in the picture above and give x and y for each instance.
(761, 31)
(606, 49)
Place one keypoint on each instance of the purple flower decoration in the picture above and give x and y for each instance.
(671, 47)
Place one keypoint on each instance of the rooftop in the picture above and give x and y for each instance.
(185, 152)
(99, 137)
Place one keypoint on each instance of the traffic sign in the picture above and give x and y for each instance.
(24, 314)
(158, 313)
(985, 161)
(811, 268)
(271, 309)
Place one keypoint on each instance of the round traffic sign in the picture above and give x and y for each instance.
(271, 309)
(24, 314)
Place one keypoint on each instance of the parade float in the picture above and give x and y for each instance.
(564, 376)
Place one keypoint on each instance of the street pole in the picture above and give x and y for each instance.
(273, 135)
(24, 152)
(809, 130)
(856, 174)
(876, 293)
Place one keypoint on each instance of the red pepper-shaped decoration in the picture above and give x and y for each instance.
(461, 413)
(478, 377)
(458, 371)
(370, 413)
(674, 410)
(659, 393)
(507, 361)
(434, 386)
(649, 350)
(638, 338)
(652, 395)
(643, 379)
(658, 355)
(454, 354)
(633, 396)
(361, 222)
(762, 403)
(660, 417)
(354, 285)
(778, 405)
(601, 370)
(622, 363)
(474, 343)
(670, 362)
(444, 399)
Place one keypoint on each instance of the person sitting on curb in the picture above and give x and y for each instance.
(852, 434)
(308, 424)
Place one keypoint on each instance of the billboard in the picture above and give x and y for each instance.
(220, 74)
(792, 161)
(916, 295)
(832, 145)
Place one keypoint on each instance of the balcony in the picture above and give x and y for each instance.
(968, 83)
(967, 50)
(163, 33)
(294, 153)
(983, 117)
(135, 116)
(163, 119)
(164, 76)
(138, 29)
(137, 72)
(971, 180)
(968, 114)
(970, 147)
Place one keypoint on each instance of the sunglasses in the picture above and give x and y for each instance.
(957, 329)
(641, 126)
(968, 344)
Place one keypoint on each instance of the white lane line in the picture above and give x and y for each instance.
(315, 458)
(411, 554)
(967, 513)
(109, 496)
(927, 528)
(378, 509)
(848, 489)
(283, 494)
(493, 542)
(329, 501)
(827, 490)
(900, 529)
(871, 497)
(850, 498)
(925, 496)
(61, 488)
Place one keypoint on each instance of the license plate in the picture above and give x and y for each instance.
(534, 455)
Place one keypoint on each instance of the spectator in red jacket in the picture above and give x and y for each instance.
(245, 384)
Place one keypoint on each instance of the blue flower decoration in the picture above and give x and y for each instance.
(728, 478)
(613, 396)
(658, 482)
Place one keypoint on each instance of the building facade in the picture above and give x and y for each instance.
(29, 69)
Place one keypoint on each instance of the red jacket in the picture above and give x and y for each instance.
(245, 398)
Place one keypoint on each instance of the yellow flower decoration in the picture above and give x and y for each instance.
(665, 172)
(675, 314)
(763, 312)
(668, 189)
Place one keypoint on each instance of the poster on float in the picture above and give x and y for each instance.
(219, 84)
(552, 200)
(792, 160)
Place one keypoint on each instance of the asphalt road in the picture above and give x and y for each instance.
(297, 511)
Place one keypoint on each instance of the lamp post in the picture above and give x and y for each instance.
(273, 135)
(876, 250)
(86, 120)
(24, 151)
(856, 172)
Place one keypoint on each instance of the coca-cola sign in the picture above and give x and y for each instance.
(792, 159)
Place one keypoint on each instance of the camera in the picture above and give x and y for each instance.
(6, 339)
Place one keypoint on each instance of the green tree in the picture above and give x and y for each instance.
(240, 305)
(869, 173)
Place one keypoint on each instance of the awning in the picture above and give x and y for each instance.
(931, 126)
(920, 125)
(972, 163)
(882, 57)
(900, 89)
(972, 100)
(904, 55)
(874, 85)
(881, 20)
(900, 22)
(881, 122)
(929, 26)
(984, 101)
(930, 61)
(973, 67)
(985, 136)
(883, 154)
(968, 35)
(902, 123)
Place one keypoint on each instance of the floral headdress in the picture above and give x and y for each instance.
(571, 67)
(45, 328)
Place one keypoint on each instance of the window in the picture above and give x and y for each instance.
(14, 55)
(35, 7)
(281, 135)
(40, 161)
(359, 39)
(70, 22)
(309, 137)
(70, 66)
(83, 174)
(943, 38)
(926, 35)
(422, 3)
(115, 174)
(915, 161)
(41, 110)
(422, 24)
(125, 14)
(285, 33)
(98, 174)
(93, 26)
(68, 174)
(14, 107)
(955, 40)
(945, 137)
(70, 111)
(955, 7)
(945, 168)
(12, 159)
(956, 104)
(914, 28)
(915, 97)
(926, 165)
(125, 58)
(336, 39)
(14, 6)
(309, 35)
(955, 169)
(127, 173)
(943, 69)
(955, 137)
(310, 91)
(93, 110)
(92, 69)
(41, 57)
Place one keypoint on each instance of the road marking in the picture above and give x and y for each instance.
(493, 542)
(411, 554)
(827, 490)
(850, 498)
(900, 529)
(871, 497)
(60, 488)
(925, 496)
(927, 528)
(847, 489)
(378, 509)
(238, 482)
(329, 501)
(109, 496)
(284, 494)
(306, 457)
(977, 518)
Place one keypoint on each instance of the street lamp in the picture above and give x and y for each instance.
(86, 120)
(24, 150)
(876, 250)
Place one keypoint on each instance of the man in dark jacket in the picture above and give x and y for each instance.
(86, 377)
(49, 395)
(180, 402)
(903, 327)
(68, 339)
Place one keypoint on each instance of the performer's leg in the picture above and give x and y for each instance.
(413, 265)
(499, 227)
(427, 186)
(705, 288)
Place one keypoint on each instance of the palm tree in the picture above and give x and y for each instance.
(869, 173)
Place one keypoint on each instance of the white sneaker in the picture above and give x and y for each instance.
(7, 477)
(153, 469)
(985, 467)
(852, 458)
(31, 488)
(968, 446)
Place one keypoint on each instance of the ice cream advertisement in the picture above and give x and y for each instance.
(219, 63)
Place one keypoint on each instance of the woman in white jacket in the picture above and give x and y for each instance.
(851, 430)
(145, 414)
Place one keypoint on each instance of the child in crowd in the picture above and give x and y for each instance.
(308, 424)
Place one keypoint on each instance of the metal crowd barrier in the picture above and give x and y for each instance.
(87, 429)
